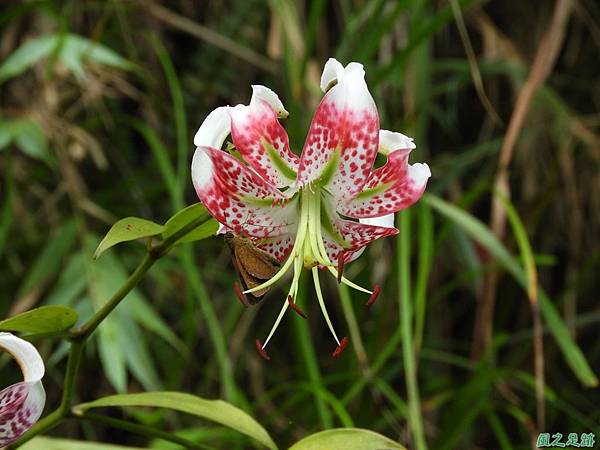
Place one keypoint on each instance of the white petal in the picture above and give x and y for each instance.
(390, 141)
(202, 169)
(383, 221)
(419, 172)
(263, 93)
(332, 72)
(215, 128)
(25, 354)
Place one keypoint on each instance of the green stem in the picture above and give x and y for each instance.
(406, 317)
(80, 336)
(143, 430)
(73, 363)
(311, 364)
(90, 326)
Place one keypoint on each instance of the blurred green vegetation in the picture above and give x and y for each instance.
(99, 101)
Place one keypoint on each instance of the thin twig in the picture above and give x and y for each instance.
(541, 68)
(142, 430)
(206, 34)
(472, 59)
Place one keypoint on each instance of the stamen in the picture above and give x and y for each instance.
(349, 283)
(340, 348)
(296, 308)
(261, 351)
(374, 295)
(315, 273)
(293, 292)
(240, 296)
(298, 244)
(340, 267)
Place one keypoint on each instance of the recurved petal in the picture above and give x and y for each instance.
(260, 138)
(392, 187)
(215, 128)
(239, 198)
(22, 403)
(350, 237)
(25, 354)
(391, 141)
(332, 72)
(343, 138)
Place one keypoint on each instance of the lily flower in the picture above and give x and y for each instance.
(318, 210)
(21, 404)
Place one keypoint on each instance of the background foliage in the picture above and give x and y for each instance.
(99, 101)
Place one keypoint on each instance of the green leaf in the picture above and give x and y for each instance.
(26, 56)
(48, 262)
(187, 215)
(45, 443)
(45, 319)
(480, 233)
(30, 139)
(73, 51)
(346, 439)
(214, 410)
(77, 49)
(27, 135)
(5, 134)
(128, 229)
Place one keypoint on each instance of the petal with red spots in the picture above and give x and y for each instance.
(390, 188)
(20, 413)
(262, 141)
(348, 237)
(21, 404)
(279, 247)
(239, 198)
(342, 142)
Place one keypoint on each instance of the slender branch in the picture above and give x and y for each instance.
(142, 430)
(543, 63)
(73, 363)
(80, 336)
(151, 257)
(408, 350)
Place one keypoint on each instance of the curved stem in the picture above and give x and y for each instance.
(408, 351)
(80, 336)
(143, 430)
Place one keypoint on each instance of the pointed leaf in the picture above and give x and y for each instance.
(214, 410)
(46, 443)
(347, 439)
(27, 55)
(128, 229)
(187, 215)
(480, 233)
(46, 319)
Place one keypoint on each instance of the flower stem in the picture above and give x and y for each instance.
(408, 351)
(79, 336)
(143, 430)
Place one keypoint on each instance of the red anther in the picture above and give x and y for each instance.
(374, 295)
(340, 348)
(261, 351)
(240, 295)
(340, 267)
(296, 308)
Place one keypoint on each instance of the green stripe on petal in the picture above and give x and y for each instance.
(367, 193)
(327, 225)
(330, 168)
(277, 161)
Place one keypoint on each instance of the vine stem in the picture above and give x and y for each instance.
(80, 336)
(406, 317)
(142, 430)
